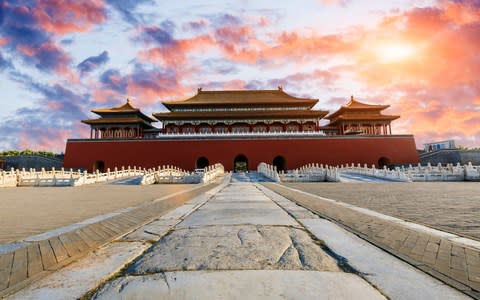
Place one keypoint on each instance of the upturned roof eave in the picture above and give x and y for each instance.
(172, 115)
(366, 119)
(343, 109)
(103, 121)
(136, 112)
(309, 102)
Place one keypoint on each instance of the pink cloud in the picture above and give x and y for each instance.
(3, 41)
(62, 17)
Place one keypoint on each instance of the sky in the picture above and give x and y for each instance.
(60, 59)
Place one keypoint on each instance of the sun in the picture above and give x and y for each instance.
(395, 52)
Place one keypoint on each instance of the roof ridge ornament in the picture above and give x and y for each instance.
(199, 90)
(280, 88)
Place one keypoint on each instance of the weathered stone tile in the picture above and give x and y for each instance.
(442, 265)
(460, 275)
(48, 257)
(473, 257)
(19, 267)
(429, 257)
(89, 241)
(60, 251)
(251, 284)
(6, 261)
(69, 245)
(458, 251)
(78, 241)
(35, 265)
(240, 247)
(473, 273)
(458, 263)
(432, 247)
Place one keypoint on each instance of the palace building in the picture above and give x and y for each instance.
(120, 122)
(240, 129)
(241, 112)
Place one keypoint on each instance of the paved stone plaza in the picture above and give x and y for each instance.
(230, 240)
(449, 206)
(28, 211)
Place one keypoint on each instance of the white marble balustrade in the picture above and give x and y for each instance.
(268, 171)
(8, 179)
(172, 174)
(63, 177)
(308, 173)
(439, 172)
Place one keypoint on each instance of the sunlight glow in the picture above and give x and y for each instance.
(395, 52)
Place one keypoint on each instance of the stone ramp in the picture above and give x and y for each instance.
(350, 177)
(237, 229)
(240, 244)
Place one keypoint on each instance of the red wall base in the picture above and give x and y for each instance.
(183, 153)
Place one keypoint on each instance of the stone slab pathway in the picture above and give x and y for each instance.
(239, 244)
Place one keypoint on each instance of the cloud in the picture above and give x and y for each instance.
(195, 25)
(147, 85)
(157, 35)
(66, 16)
(93, 62)
(46, 123)
(335, 2)
(68, 41)
(150, 86)
(29, 29)
(127, 8)
(4, 63)
(219, 20)
(113, 80)
(174, 53)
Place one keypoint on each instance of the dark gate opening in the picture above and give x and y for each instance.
(202, 162)
(383, 161)
(100, 166)
(279, 162)
(240, 163)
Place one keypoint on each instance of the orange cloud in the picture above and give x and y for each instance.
(174, 54)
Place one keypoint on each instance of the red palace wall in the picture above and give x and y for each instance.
(183, 153)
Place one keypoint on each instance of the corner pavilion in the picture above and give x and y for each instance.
(241, 129)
